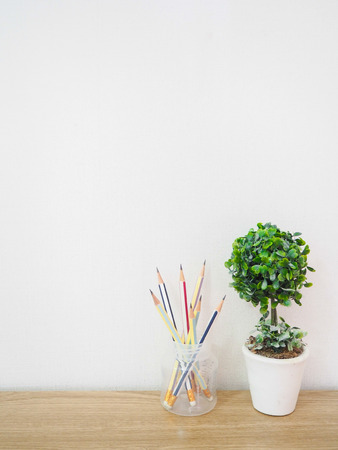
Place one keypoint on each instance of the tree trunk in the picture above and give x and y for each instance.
(274, 318)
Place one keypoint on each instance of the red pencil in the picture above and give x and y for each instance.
(184, 303)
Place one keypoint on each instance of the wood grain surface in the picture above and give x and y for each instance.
(136, 420)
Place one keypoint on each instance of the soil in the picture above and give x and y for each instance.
(283, 353)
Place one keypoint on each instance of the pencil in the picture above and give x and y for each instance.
(198, 309)
(191, 362)
(198, 287)
(197, 314)
(180, 341)
(171, 382)
(184, 303)
(192, 322)
(211, 321)
(191, 338)
(165, 297)
(176, 337)
(166, 319)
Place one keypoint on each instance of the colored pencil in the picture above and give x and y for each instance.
(191, 338)
(166, 319)
(192, 322)
(165, 297)
(211, 321)
(184, 303)
(191, 362)
(176, 337)
(179, 340)
(198, 309)
(192, 341)
(172, 382)
(198, 287)
(168, 322)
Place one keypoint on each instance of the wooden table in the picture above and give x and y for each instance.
(136, 420)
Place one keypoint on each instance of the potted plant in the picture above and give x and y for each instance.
(268, 268)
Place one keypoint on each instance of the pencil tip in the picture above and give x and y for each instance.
(203, 269)
(155, 299)
(198, 307)
(224, 297)
(180, 266)
(151, 291)
(157, 270)
(219, 307)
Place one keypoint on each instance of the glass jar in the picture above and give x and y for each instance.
(189, 379)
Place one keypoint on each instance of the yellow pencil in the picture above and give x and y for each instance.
(198, 309)
(192, 335)
(198, 287)
(166, 318)
(171, 382)
(192, 327)
(175, 373)
(184, 303)
(176, 337)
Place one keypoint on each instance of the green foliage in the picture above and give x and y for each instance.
(277, 337)
(269, 264)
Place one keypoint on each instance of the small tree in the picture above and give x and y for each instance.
(269, 266)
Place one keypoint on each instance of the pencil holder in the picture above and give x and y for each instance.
(189, 379)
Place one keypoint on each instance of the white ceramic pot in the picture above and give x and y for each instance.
(274, 383)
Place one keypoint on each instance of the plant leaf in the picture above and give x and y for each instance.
(276, 284)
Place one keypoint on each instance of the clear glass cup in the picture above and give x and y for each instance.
(189, 379)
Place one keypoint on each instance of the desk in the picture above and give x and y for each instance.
(136, 420)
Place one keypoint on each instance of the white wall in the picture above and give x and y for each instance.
(137, 134)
